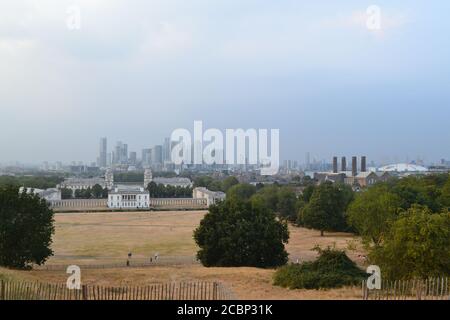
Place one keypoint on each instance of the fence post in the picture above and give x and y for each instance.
(364, 290)
(215, 291)
(2, 290)
(84, 292)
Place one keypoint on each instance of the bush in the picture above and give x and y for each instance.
(333, 269)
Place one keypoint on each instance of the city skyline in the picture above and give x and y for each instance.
(314, 70)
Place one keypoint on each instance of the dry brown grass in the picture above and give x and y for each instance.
(246, 283)
(106, 237)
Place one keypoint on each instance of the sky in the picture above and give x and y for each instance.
(74, 71)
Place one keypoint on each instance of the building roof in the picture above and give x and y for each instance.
(364, 174)
(83, 181)
(123, 189)
(175, 180)
(403, 167)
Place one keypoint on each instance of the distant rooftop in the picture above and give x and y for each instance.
(128, 189)
(403, 167)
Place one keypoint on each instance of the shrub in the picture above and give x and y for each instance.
(332, 269)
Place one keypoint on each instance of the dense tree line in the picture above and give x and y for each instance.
(162, 191)
(96, 192)
(215, 184)
(35, 181)
(280, 199)
(405, 225)
(129, 176)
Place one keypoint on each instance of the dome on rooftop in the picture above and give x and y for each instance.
(403, 167)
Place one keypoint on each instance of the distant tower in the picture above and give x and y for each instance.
(343, 164)
(363, 164)
(308, 161)
(103, 152)
(109, 179)
(148, 177)
(335, 165)
(354, 166)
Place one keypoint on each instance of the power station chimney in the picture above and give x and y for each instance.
(335, 165)
(354, 166)
(344, 164)
(363, 164)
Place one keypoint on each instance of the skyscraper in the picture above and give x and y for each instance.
(118, 153)
(307, 161)
(133, 158)
(125, 153)
(103, 152)
(166, 150)
(146, 154)
(157, 154)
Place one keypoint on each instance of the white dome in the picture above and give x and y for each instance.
(403, 167)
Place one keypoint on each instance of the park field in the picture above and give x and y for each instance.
(102, 238)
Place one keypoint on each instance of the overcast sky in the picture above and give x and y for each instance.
(136, 70)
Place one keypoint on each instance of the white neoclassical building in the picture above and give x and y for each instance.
(128, 197)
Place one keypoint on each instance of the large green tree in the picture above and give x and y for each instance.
(287, 204)
(372, 213)
(241, 233)
(26, 229)
(417, 245)
(326, 208)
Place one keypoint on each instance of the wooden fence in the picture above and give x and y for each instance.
(429, 289)
(18, 290)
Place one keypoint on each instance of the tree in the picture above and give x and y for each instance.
(26, 228)
(287, 204)
(97, 191)
(238, 233)
(325, 210)
(417, 245)
(444, 198)
(153, 189)
(162, 191)
(203, 181)
(268, 195)
(372, 213)
(37, 181)
(105, 193)
(417, 190)
(229, 182)
(308, 192)
(66, 193)
(242, 191)
(83, 193)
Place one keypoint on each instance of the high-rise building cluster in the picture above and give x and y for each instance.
(155, 157)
